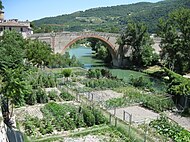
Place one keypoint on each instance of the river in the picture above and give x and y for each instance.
(86, 56)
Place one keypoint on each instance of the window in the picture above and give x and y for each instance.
(10, 28)
(21, 29)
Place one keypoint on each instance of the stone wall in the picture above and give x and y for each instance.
(3, 128)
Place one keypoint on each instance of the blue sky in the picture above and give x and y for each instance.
(36, 9)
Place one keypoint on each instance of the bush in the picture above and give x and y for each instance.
(99, 117)
(104, 83)
(41, 96)
(31, 99)
(53, 95)
(140, 82)
(89, 118)
(94, 73)
(66, 96)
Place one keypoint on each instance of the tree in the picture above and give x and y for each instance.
(12, 68)
(14, 90)
(175, 43)
(11, 50)
(136, 38)
(1, 5)
(38, 53)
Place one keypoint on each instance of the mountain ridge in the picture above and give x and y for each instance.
(112, 18)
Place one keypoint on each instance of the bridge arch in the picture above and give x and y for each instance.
(110, 46)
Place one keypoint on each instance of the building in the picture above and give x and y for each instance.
(13, 24)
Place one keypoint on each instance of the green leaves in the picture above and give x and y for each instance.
(38, 53)
(1, 5)
(167, 128)
(175, 44)
(11, 50)
(178, 84)
(137, 40)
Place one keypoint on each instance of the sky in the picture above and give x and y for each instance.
(37, 9)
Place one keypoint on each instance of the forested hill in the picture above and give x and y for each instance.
(110, 19)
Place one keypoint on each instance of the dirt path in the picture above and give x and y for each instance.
(139, 114)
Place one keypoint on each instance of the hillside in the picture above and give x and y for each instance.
(110, 19)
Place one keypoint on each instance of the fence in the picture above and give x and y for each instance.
(124, 125)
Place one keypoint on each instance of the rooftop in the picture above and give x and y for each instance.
(15, 23)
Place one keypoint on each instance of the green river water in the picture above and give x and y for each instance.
(86, 57)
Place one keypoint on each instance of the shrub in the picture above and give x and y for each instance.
(41, 96)
(99, 117)
(31, 99)
(89, 118)
(140, 82)
(66, 96)
(53, 95)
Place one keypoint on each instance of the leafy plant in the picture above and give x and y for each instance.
(66, 96)
(167, 128)
(53, 95)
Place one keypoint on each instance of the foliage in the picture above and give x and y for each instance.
(1, 5)
(101, 49)
(98, 73)
(66, 96)
(31, 99)
(52, 95)
(66, 72)
(104, 83)
(11, 50)
(136, 38)
(38, 53)
(94, 73)
(58, 61)
(89, 118)
(140, 82)
(175, 32)
(99, 117)
(62, 117)
(155, 102)
(43, 79)
(178, 84)
(41, 96)
(164, 127)
(111, 19)
(15, 86)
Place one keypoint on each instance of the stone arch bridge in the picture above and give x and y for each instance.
(60, 41)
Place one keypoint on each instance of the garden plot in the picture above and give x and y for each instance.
(139, 114)
(91, 138)
(98, 96)
(29, 110)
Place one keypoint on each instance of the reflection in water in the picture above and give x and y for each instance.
(86, 56)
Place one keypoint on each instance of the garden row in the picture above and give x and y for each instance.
(132, 95)
(62, 117)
